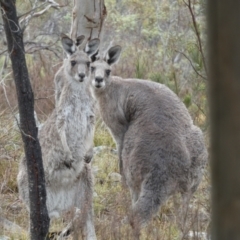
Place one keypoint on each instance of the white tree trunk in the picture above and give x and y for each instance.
(87, 18)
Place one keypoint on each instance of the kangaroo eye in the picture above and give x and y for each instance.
(73, 63)
(92, 69)
(108, 71)
(88, 64)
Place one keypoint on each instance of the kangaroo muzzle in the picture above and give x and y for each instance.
(98, 82)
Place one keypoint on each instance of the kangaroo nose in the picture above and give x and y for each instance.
(81, 75)
(99, 79)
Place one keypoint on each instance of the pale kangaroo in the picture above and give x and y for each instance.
(66, 140)
(161, 151)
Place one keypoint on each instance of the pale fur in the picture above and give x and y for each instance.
(161, 151)
(66, 140)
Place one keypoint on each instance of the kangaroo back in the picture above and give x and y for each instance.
(161, 151)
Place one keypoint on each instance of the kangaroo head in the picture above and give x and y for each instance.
(101, 69)
(79, 57)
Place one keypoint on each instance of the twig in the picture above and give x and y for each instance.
(1, 53)
(39, 46)
(52, 3)
(5, 94)
(4, 66)
(3, 79)
(189, 5)
(30, 11)
(45, 48)
(44, 98)
(195, 70)
(200, 109)
(33, 14)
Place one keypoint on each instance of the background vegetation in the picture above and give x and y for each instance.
(162, 40)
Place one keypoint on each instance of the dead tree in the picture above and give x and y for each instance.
(39, 220)
(224, 95)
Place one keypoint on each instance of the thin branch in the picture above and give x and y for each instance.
(3, 79)
(34, 47)
(195, 70)
(189, 5)
(33, 14)
(4, 66)
(16, 119)
(44, 98)
(200, 109)
(30, 11)
(36, 8)
(1, 53)
(45, 48)
(38, 47)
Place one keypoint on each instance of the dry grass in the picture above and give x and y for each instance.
(111, 201)
(41, 75)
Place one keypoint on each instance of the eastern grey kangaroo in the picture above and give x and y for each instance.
(66, 139)
(161, 151)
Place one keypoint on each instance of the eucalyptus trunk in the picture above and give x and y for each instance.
(87, 18)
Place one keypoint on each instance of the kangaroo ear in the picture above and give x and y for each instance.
(68, 44)
(95, 56)
(113, 54)
(92, 46)
(79, 40)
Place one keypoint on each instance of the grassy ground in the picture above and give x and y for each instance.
(111, 200)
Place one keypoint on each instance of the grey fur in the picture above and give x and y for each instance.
(66, 139)
(161, 151)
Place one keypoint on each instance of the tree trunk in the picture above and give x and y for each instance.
(87, 18)
(39, 220)
(224, 95)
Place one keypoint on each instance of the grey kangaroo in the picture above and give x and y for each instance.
(66, 139)
(161, 151)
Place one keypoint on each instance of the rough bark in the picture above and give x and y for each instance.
(224, 95)
(39, 220)
(87, 18)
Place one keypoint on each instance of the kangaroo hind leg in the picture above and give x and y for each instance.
(155, 191)
(82, 223)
